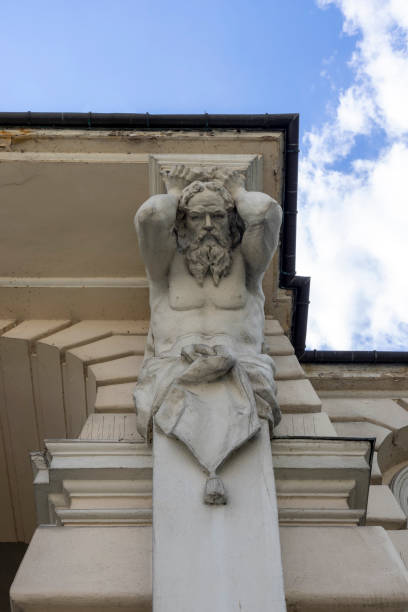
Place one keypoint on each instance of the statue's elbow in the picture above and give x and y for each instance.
(147, 214)
(273, 213)
(144, 216)
(268, 205)
(154, 212)
(263, 208)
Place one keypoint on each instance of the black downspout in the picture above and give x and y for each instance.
(288, 279)
(380, 357)
(288, 252)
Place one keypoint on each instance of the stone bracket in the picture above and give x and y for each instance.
(252, 165)
(322, 481)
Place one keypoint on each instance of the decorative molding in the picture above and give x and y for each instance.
(87, 480)
(304, 502)
(327, 517)
(252, 165)
(50, 134)
(399, 487)
(138, 489)
(81, 283)
(58, 157)
(40, 467)
(95, 516)
(321, 446)
(108, 502)
(319, 482)
(78, 449)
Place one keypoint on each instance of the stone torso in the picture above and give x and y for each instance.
(185, 312)
(185, 293)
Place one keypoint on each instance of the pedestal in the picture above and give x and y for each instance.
(218, 558)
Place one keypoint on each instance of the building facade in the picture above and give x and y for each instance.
(75, 476)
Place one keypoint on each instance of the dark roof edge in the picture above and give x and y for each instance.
(354, 357)
(146, 121)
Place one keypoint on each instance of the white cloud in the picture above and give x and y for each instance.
(353, 230)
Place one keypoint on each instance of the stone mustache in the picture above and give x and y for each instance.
(205, 378)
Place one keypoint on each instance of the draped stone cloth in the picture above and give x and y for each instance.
(208, 398)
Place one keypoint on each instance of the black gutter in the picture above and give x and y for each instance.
(380, 357)
(145, 121)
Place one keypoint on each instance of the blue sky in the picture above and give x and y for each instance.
(187, 57)
(342, 64)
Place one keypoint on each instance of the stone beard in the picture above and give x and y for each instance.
(206, 246)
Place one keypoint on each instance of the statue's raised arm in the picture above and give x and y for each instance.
(262, 217)
(154, 222)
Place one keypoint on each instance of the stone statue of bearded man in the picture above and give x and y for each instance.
(207, 247)
(205, 378)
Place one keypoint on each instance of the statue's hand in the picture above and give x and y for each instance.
(176, 179)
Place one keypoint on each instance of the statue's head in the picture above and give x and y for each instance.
(208, 228)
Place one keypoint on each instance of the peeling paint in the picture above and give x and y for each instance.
(5, 141)
(10, 137)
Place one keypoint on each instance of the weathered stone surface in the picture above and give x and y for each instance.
(115, 398)
(298, 396)
(338, 377)
(104, 478)
(376, 475)
(383, 412)
(80, 384)
(399, 487)
(82, 570)
(288, 367)
(6, 324)
(53, 376)
(317, 424)
(279, 345)
(321, 481)
(342, 569)
(393, 452)
(272, 327)
(121, 370)
(400, 540)
(383, 509)
(120, 427)
(215, 558)
(362, 429)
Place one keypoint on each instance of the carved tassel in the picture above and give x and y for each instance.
(215, 493)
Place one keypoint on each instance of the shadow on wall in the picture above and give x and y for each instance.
(11, 554)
